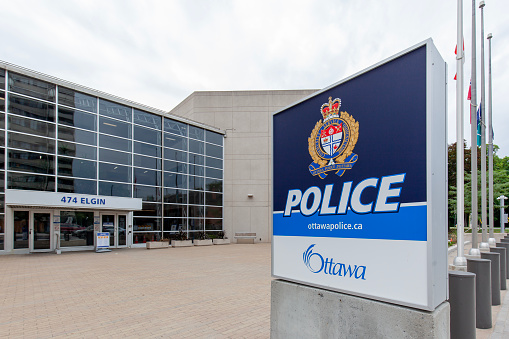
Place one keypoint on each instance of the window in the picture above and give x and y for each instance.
(147, 119)
(77, 135)
(31, 108)
(69, 185)
(196, 133)
(77, 168)
(75, 118)
(32, 87)
(31, 126)
(114, 189)
(115, 143)
(214, 138)
(147, 177)
(117, 157)
(175, 127)
(31, 143)
(31, 162)
(30, 182)
(114, 110)
(115, 127)
(75, 150)
(114, 172)
(147, 135)
(75, 99)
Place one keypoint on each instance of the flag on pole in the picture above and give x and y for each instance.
(455, 53)
(479, 125)
(469, 95)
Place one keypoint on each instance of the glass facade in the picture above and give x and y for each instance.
(57, 139)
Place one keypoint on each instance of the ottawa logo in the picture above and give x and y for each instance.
(332, 141)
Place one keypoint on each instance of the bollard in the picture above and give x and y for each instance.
(495, 276)
(503, 264)
(482, 270)
(462, 303)
(506, 246)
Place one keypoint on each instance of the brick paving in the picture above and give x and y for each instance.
(194, 292)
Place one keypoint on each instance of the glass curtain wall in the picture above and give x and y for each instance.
(59, 139)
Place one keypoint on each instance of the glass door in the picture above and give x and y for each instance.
(40, 231)
(108, 225)
(122, 230)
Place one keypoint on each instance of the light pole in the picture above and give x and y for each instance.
(484, 243)
(491, 240)
(460, 259)
(502, 216)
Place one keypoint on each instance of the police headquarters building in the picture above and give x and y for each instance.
(77, 161)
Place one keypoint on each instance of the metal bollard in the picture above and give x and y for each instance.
(503, 274)
(495, 276)
(506, 246)
(462, 303)
(482, 270)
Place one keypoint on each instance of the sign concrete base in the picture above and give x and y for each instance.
(300, 311)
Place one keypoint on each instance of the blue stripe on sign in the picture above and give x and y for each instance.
(407, 224)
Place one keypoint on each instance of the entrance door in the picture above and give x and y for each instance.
(40, 231)
(115, 224)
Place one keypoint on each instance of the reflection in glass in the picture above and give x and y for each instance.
(211, 162)
(147, 177)
(213, 199)
(31, 143)
(214, 151)
(213, 212)
(213, 173)
(147, 162)
(30, 182)
(77, 168)
(76, 228)
(114, 110)
(31, 126)
(114, 189)
(175, 127)
(114, 172)
(2, 203)
(115, 127)
(175, 141)
(147, 149)
(214, 137)
(175, 196)
(214, 185)
(173, 166)
(2, 224)
(75, 118)
(149, 210)
(141, 238)
(32, 87)
(196, 197)
(174, 225)
(77, 135)
(196, 170)
(31, 108)
(31, 162)
(195, 183)
(21, 224)
(147, 224)
(122, 230)
(114, 156)
(195, 225)
(76, 150)
(69, 97)
(175, 180)
(196, 159)
(196, 133)
(213, 224)
(147, 193)
(80, 186)
(196, 211)
(171, 154)
(2, 102)
(175, 211)
(147, 135)
(2, 79)
(115, 143)
(147, 119)
(196, 146)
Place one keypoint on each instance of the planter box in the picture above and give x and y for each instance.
(220, 241)
(181, 243)
(157, 244)
(204, 242)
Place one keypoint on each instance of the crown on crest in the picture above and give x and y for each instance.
(331, 109)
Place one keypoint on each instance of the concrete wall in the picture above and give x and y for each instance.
(246, 117)
(299, 311)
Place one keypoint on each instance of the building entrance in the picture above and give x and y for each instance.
(32, 230)
(116, 225)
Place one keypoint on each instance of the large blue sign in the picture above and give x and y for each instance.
(353, 162)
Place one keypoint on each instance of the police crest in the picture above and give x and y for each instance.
(332, 141)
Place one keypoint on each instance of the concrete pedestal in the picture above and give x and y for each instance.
(299, 311)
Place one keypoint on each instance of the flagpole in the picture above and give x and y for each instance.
(460, 259)
(491, 240)
(484, 244)
(474, 251)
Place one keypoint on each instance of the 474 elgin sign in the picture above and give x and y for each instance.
(332, 141)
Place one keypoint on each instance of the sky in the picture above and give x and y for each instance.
(158, 52)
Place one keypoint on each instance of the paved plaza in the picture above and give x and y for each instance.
(193, 292)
